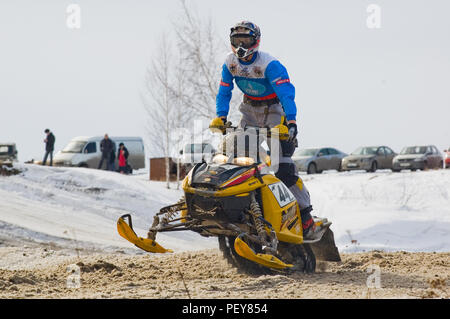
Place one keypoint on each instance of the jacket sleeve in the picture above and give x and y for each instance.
(278, 77)
(225, 92)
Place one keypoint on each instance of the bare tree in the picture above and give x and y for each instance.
(203, 53)
(182, 81)
(157, 100)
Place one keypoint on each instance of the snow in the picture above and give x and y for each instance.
(77, 206)
(388, 211)
(83, 205)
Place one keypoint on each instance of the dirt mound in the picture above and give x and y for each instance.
(99, 265)
(206, 274)
(8, 169)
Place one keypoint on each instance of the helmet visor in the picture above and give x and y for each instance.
(244, 41)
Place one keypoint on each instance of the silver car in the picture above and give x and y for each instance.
(418, 157)
(316, 160)
(369, 158)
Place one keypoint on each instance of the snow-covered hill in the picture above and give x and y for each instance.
(76, 206)
(80, 207)
(388, 211)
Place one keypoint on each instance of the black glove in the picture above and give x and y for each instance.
(292, 127)
(224, 120)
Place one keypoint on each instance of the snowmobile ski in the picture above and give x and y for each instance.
(263, 259)
(126, 231)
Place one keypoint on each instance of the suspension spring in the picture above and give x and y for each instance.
(256, 212)
(170, 212)
(167, 218)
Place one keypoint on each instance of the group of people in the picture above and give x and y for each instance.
(108, 153)
(109, 156)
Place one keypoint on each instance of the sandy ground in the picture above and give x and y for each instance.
(43, 271)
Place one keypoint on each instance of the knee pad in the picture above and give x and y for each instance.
(286, 173)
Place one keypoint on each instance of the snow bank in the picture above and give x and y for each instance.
(388, 211)
(83, 205)
(383, 210)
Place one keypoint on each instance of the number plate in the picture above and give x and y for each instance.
(283, 195)
(351, 165)
(405, 164)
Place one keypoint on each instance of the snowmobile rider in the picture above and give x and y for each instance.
(268, 99)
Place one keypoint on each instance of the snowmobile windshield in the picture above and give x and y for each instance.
(74, 147)
(306, 152)
(243, 148)
(365, 151)
(414, 150)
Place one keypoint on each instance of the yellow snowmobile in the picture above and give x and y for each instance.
(254, 215)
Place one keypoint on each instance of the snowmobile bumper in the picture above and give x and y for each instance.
(126, 231)
(263, 259)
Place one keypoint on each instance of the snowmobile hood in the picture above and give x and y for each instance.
(214, 175)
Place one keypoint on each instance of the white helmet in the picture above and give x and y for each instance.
(244, 38)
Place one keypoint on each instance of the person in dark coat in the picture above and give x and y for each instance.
(107, 148)
(49, 146)
(112, 159)
(122, 156)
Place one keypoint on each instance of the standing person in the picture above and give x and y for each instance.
(112, 159)
(49, 146)
(122, 156)
(268, 102)
(106, 147)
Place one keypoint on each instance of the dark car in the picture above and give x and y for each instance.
(418, 157)
(369, 158)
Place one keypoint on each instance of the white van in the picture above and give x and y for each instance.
(84, 151)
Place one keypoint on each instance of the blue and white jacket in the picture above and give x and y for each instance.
(262, 78)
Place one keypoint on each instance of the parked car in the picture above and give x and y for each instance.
(8, 153)
(193, 153)
(85, 151)
(316, 160)
(418, 157)
(369, 158)
(447, 158)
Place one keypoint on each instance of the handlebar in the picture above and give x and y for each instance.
(227, 128)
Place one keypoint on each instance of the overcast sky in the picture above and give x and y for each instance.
(354, 85)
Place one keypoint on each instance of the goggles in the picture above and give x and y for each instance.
(244, 41)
